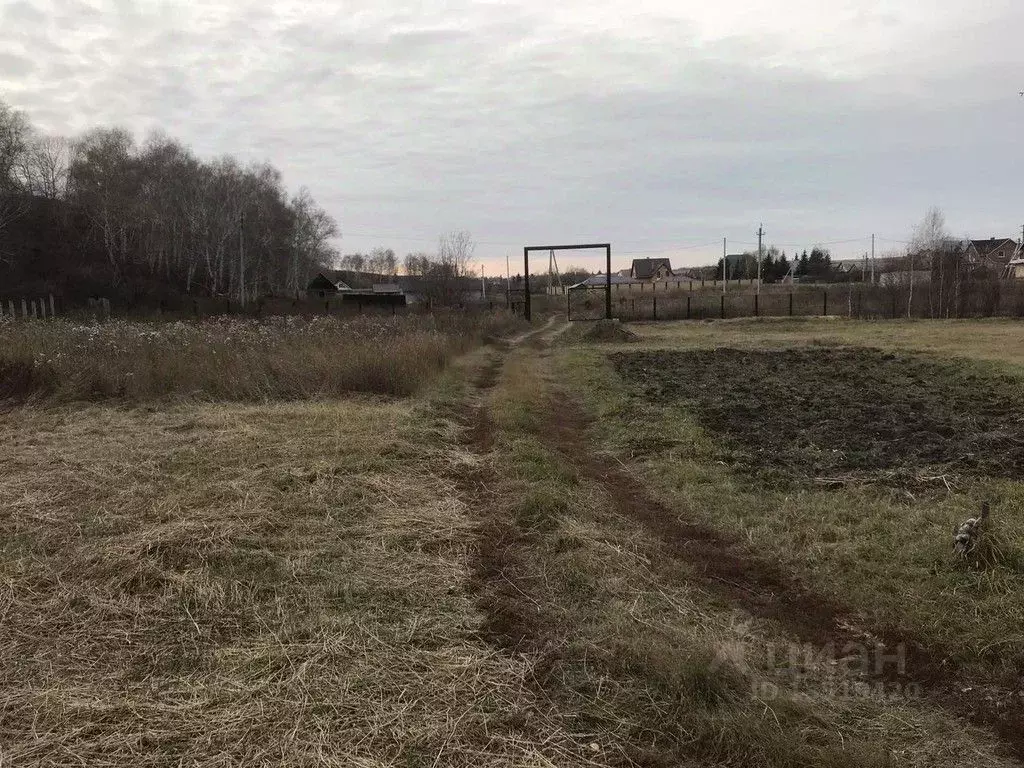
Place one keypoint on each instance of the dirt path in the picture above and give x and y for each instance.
(501, 581)
(731, 571)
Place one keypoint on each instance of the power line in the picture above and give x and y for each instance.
(624, 245)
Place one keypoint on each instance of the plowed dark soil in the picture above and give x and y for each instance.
(842, 413)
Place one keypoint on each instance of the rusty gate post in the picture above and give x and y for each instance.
(608, 283)
(526, 283)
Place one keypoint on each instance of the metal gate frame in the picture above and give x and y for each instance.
(582, 247)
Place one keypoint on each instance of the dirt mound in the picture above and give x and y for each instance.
(600, 331)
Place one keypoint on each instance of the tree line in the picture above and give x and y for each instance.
(813, 266)
(451, 261)
(103, 212)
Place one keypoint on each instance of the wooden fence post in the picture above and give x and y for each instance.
(53, 311)
(10, 308)
(790, 303)
(723, 306)
(825, 306)
(655, 307)
(568, 307)
(688, 307)
(24, 310)
(757, 310)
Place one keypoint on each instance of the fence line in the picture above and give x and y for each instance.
(30, 308)
(23, 308)
(988, 299)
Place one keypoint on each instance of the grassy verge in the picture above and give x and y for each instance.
(232, 358)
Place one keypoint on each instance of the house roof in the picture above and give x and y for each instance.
(601, 280)
(647, 268)
(989, 249)
(325, 280)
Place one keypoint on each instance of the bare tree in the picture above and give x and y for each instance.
(15, 139)
(46, 167)
(416, 264)
(353, 261)
(925, 244)
(15, 135)
(311, 235)
(454, 251)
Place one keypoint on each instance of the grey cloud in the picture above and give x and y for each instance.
(13, 66)
(517, 125)
(22, 12)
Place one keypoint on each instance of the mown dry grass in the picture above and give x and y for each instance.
(233, 358)
(234, 585)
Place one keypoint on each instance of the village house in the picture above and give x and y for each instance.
(326, 284)
(651, 269)
(994, 253)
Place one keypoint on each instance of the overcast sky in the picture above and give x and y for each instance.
(659, 125)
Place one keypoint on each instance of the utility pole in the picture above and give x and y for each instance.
(760, 233)
(725, 260)
(872, 259)
(483, 284)
(508, 274)
(553, 273)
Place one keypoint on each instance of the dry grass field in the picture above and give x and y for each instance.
(234, 358)
(541, 554)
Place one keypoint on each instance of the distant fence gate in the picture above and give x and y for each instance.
(586, 302)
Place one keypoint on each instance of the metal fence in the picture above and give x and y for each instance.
(1004, 298)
